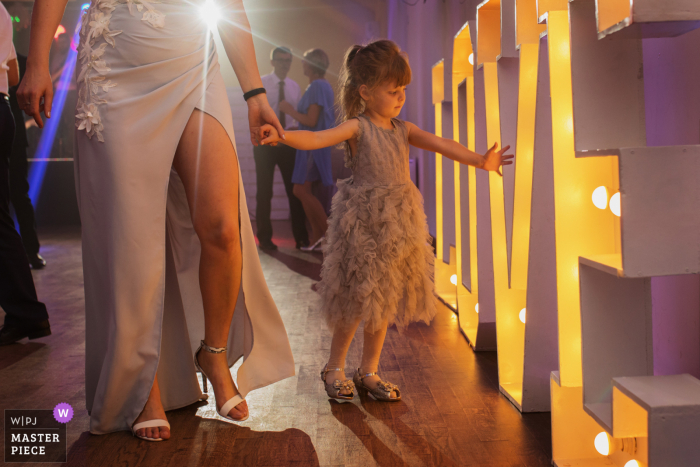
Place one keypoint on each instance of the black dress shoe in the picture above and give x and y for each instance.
(37, 262)
(268, 246)
(11, 334)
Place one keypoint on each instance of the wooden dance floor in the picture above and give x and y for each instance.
(451, 414)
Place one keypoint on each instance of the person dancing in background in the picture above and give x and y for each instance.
(279, 88)
(315, 112)
(377, 265)
(25, 315)
(166, 237)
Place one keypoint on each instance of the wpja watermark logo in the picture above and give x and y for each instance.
(37, 435)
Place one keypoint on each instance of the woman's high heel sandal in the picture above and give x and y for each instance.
(383, 390)
(232, 402)
(315, 246)
(333, 389)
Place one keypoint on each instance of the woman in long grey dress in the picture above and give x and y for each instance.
(167, 241)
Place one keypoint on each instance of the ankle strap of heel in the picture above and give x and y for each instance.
(366, 375)
(325, 371)
(212, 349)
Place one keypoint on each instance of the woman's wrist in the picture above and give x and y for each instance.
(253, 92)
(257, 100)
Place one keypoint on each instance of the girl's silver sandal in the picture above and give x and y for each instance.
(380, 393)
(333, 389)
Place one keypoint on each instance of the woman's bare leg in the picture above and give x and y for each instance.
(208, 166)
(313, 209)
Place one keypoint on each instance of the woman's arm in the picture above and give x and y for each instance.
(13, 73)
(310, 118)
(492, 160)
(308, 140)
(237, 38)
(37, 83)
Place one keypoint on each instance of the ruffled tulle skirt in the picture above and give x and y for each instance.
(378, 264)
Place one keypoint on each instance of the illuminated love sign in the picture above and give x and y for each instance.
(578, 262)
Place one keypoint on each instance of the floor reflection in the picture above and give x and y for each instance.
(197, 441)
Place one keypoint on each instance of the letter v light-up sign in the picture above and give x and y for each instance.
(510, 87)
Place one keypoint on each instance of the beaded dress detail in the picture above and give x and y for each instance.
(378, 263)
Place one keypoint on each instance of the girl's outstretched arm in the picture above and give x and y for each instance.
(492, 160)
(307, 140)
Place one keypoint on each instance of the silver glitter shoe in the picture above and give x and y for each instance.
(333, 389)
(383, 390)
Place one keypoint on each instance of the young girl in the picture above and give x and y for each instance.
(378, 265)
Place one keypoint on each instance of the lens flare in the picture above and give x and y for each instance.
(210, 13)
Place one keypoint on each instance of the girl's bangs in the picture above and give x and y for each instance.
(398, 71)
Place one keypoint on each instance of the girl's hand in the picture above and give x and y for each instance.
(35, 93)
(259, 114)
(286, 107)
(493, 160)
(269, 135)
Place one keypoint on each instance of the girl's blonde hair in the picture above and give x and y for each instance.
(371, 65)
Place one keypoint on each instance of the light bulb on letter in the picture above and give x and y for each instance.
(453, 279)
(600, 197)
(476, 308)
(522, 315)
(615, 204)
(601, 443)
(471, 58)
(632, 463)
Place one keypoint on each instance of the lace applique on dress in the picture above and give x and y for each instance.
(95, 26)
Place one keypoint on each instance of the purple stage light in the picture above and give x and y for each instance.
(48, 135)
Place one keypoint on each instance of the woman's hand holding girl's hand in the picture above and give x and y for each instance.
(269, 136)
(493, 160)
(36, 84)
(261, 114)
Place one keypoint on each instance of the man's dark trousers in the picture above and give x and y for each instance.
(19, 186)
(266, 157)
(17, 293)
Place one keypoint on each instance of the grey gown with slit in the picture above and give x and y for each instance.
(144, 67)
